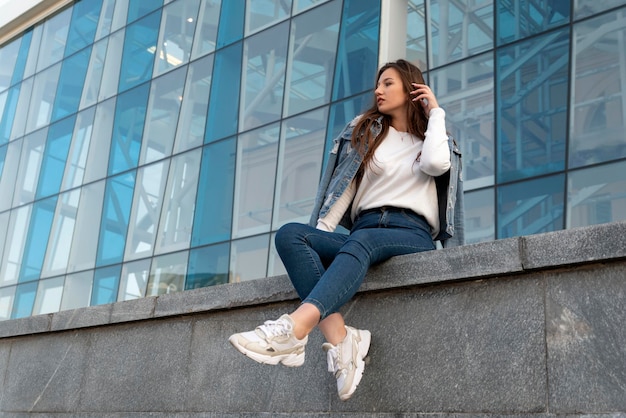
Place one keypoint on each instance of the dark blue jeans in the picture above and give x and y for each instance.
(327, 268)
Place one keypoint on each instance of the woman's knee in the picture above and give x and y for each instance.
(287, 233)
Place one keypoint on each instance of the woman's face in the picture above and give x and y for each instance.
(390, 95)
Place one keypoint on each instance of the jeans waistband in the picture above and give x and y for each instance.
(383, 209)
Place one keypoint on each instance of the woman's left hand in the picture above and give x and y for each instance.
(425, 96)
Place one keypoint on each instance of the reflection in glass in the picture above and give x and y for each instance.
(8, 108)
(531, 207)
(254, 182)
(299, 165)
(30, 160)
(111, 69)
(458, 29)
(167, 274)
(275, 265)
(88, 217)
(214, 204)
(598, 98)
(96, 166)
(60, 243)
(176, 35)
(139, 51)
(263, 13)
(206, 29)
(4, 227)
(42, 98)
(105, 285)
(416, 33)
(14, 245)
(54, 39)
(302, 5)
(518, 19)
(106, 18)
(340, 115)
(6, 302)
(48, 298)
(79, 150)
(37, 238)
(77, 290)
(248, 258)
(208, 266)
(140, 8)
(8, 175)
(479, 216)
(465, 91)
(21, 112)
(596, 195)
(82, 30)
(532, 100)
(9, 59)
(93, 78)
(584, 8)
(33, 51)
(24, 300)
(134, 280)
(54, 157)
(231, 22)
(310, 68)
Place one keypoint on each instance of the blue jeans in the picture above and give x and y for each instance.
(327, 268)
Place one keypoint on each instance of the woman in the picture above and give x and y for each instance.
(381, 184)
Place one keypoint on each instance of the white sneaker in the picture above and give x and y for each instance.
(272, 343)
(345, 360)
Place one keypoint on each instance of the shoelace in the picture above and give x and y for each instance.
(275, 328)
(335, 365)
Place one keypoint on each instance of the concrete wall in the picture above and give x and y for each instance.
(522, 327)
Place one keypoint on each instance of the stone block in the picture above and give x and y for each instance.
(25, 326)
(81, 318)
(133, 310)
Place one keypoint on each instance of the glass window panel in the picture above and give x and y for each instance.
(7, 295)
(214, 203)
(479, 216)
(79, 150)
(176, 35)
(596, 195)
(33, 51)
(301, 5)
(231, 22)
(144, 216)
(416, 33)
(275, 265)
(584, 8)
(205, 36)
(14, 245)
(299, 165)
(263, 13)
(77, 290)
(257, 153)
(140, 8)
(193, 111)
(167, 274)
(70, 86)
(21, 112)
(24, 300)
(224, 100)
(532, 99)
(130, 114)
(357, 55)
(49, 294)
(248, 258)
(88, 216)
(118, 198)
(111, 69)
(37, 238)
(119, 15)
(85, 15)
(9, 59)
(8, 108)
(53, 39)
(520, 19)
(458, 29)
(60, 243)
(465, 91)
(106, 281)
(4, 227)
(531, 207)
(54, 157)
(176, 221)
(265, 56)
(208, 266)
(164, 103)
(106, 18)
(140, 45)
(30, 160)
(93, 77)
(22, 56)
(340, 114)
(598, 99)
(96, 166)
(9, 173)
(134, 280)
(42, 98)
(311, 65)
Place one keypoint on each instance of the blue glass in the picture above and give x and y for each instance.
(140, 45)
(37, 239)
(70, 86)
(106, 281)
(531, 106)
(130, 114)
(118, 199)
(214, 204)
(232, 18)
(224, 98)
(357, 55)
(8, 115)
(24, 300)
(8, 56)
(340, 114)
(3, 155)
(54, 158)
(208, 266)
(518, 19)
(22, 56)
(85, 16)
(531, 207)
(140, 8)
(479, 215)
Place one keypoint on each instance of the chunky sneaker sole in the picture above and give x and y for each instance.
(363, 346)
(348, 371)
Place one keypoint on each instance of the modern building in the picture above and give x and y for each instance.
(155, 146)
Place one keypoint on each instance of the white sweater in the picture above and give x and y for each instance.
(395, 178)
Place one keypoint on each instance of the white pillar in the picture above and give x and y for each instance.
(392, 44)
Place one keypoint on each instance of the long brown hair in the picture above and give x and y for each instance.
(363, 140)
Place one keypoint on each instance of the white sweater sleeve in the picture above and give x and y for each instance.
(329, 222)
(435, 158)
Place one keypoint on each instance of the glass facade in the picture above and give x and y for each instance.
(150, 147)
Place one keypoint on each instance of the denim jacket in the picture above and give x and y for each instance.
(344, 162)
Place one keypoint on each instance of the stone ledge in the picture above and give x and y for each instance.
(471, 262)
